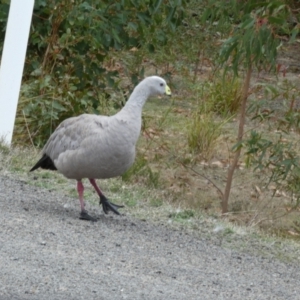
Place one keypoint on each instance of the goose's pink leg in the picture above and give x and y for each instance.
(80, 189)
(83, 214)
(96, 187)
(106, 205)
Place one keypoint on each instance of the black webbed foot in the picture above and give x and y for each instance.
(109, 206)
(85, 216)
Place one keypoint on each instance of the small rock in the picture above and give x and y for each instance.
(218, 228)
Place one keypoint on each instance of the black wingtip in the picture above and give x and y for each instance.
(45, 163)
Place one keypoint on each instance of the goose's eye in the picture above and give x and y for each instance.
(161, 84)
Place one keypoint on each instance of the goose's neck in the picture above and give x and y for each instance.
(137, 99)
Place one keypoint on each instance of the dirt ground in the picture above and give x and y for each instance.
(46, 252)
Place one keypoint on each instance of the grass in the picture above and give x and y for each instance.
(204, 132)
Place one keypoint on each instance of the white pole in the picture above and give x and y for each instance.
(12, 63)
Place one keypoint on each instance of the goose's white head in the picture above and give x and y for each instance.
(150, 86)
(157, 86)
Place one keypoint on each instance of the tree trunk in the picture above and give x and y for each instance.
(234, 163)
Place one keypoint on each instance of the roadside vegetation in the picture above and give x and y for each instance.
(226, 145)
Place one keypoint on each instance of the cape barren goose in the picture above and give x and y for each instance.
(91, 146)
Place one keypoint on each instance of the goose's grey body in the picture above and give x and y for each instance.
(91, 146)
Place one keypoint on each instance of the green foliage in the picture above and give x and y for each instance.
(4, 8)
(4, 149)
(131, 202)
(253, 42)
(182, 215)
(204, 130)
(205, 127)
(280, 103)
(156, 202)
(142, 169)
(223, 96)
(198, 41)
(76, 36)
(39, 115)
(290, 92)
(291, 119)
(254, 38)
(218, 96)
(139, 164)
(277, 157)
(68, 54)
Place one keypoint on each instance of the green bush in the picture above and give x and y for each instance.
(142, 169)
(224, 96)
(67, 59)
(220, 100)
(203, 131)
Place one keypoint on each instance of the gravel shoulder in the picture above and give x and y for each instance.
(46, 252)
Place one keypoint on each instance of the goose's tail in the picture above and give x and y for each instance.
(45, 163)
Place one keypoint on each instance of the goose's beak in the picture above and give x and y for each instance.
(168, 91)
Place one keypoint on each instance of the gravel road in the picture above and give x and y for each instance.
(47, 253)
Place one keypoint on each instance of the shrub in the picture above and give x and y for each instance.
(68, 48)
(203, 132)
(224, 96)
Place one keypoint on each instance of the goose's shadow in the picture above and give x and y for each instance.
(65, 208)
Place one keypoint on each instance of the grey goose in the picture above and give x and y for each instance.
(97, 147)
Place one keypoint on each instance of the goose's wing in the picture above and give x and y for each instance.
(72, 132)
